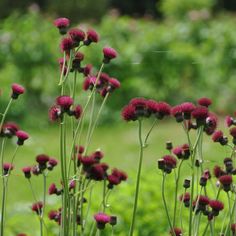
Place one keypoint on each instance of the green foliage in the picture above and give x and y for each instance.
(180, 9)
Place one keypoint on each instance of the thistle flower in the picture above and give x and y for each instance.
(77, 36)
(185, 198)
(206, 102)
(9, 129)
(42, 160)
(226, 181)
(16, 91)
(97, 155)
(65, 102)
(113, 220)
(217, 171)
(52, 215)
(229, 121)
(77, 112)
(176, 111)
(219, 137)
(101, 219)
(54, 113)
(163, 109)
(128, 113)
(97, 172)
(87, 69)
(92, 37)
(216, 206)
(81, 149)
(22, 136)
(7, 168)
(233, 228)
(27, 172)
(52, 189)
(167, 163)
(37, 208)
(176, 232)
(66, 44)
(152, 106)
(113, 84)
(62, 24)
(200, 114)
(187, 108)
(52, 163)
(211, 124)
(109, 54)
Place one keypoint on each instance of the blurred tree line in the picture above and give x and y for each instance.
(197, 57)
(90, 9)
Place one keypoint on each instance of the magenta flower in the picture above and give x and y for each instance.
(109, 54)
(229, 121)
(226, 181)
(92, 37)
(16, 91)
(206, 102)
(37, 208)
(9, 129)
(101, 219)
(77, 111)
(64, 102)
(22, 136)
(216, 206)
(187, 108)
(7, 168)
(62, 24)
(77, 36)
(66, 44)
(27, 172)
(128, 113)
(52, 163)
(52, 189)
(54, 113)
(176, 232)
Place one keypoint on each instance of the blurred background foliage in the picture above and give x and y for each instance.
(171, 50)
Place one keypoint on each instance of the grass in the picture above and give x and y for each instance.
(120, 145)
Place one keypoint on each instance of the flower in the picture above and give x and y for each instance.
(200, 114)
(9, 129)
(62, 24)
(113, 84)
(167, 163)
(128, 113)
(176, 232)
(163, 109)
(216, 206)
(101, 219)
(97, 172)
(232, 132)
(77, 112)
(226, 181)
(52, 215)
(77, 36)
(16, 90)
(64, 102)
(229, 121)
(185, 198)
(206, 102)
(109, 53)
(42, 160)
(92, 37)
(66, 44)
(22, 136)
(27, 172)
(7, 168)
(52, 163)
(187, 108)
(176, 111)
(54, 113)
(217, 171)
(233, 228)
(37, 208)
(98, 155)
(52, 189)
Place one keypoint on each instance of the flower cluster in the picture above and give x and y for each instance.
(102, 219)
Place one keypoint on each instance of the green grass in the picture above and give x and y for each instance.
(120, 145)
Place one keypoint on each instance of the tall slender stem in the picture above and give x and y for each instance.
(5, 113)
(138, 178)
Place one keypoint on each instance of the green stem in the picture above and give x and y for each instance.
(206, 228)
(149, 132)
(164, 200)
(176, 192)
(3, 205)
(138, 179)
(5, 113)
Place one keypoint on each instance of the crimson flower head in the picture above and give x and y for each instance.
(216, 206)
(7, 168)
(52, 215)
(211, 124)
(219, 137)
(163, 109)
(37, 208)
(101, 219)
(185, 198)
(77, 112)
(205, 102)
(232, 132)
(229, 121)
(187, 108)
(53, 189)
(233, 228)
(54, 113)
(167, 163)
(176, 232)
(109, 54)
(226, 181)
(16, 90)
(87, 70)
(66, 44)
(62, 24)
(200, 114)
(77, 36)
(22, 136)
(97, 172)
(64, 102)
(176, 111)
(92, 37)
(217, 171)
(152, 106)
(9, 129)
(128, 113)
(42, 160)
(113, 84)
(52, 163)
(27, 172)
